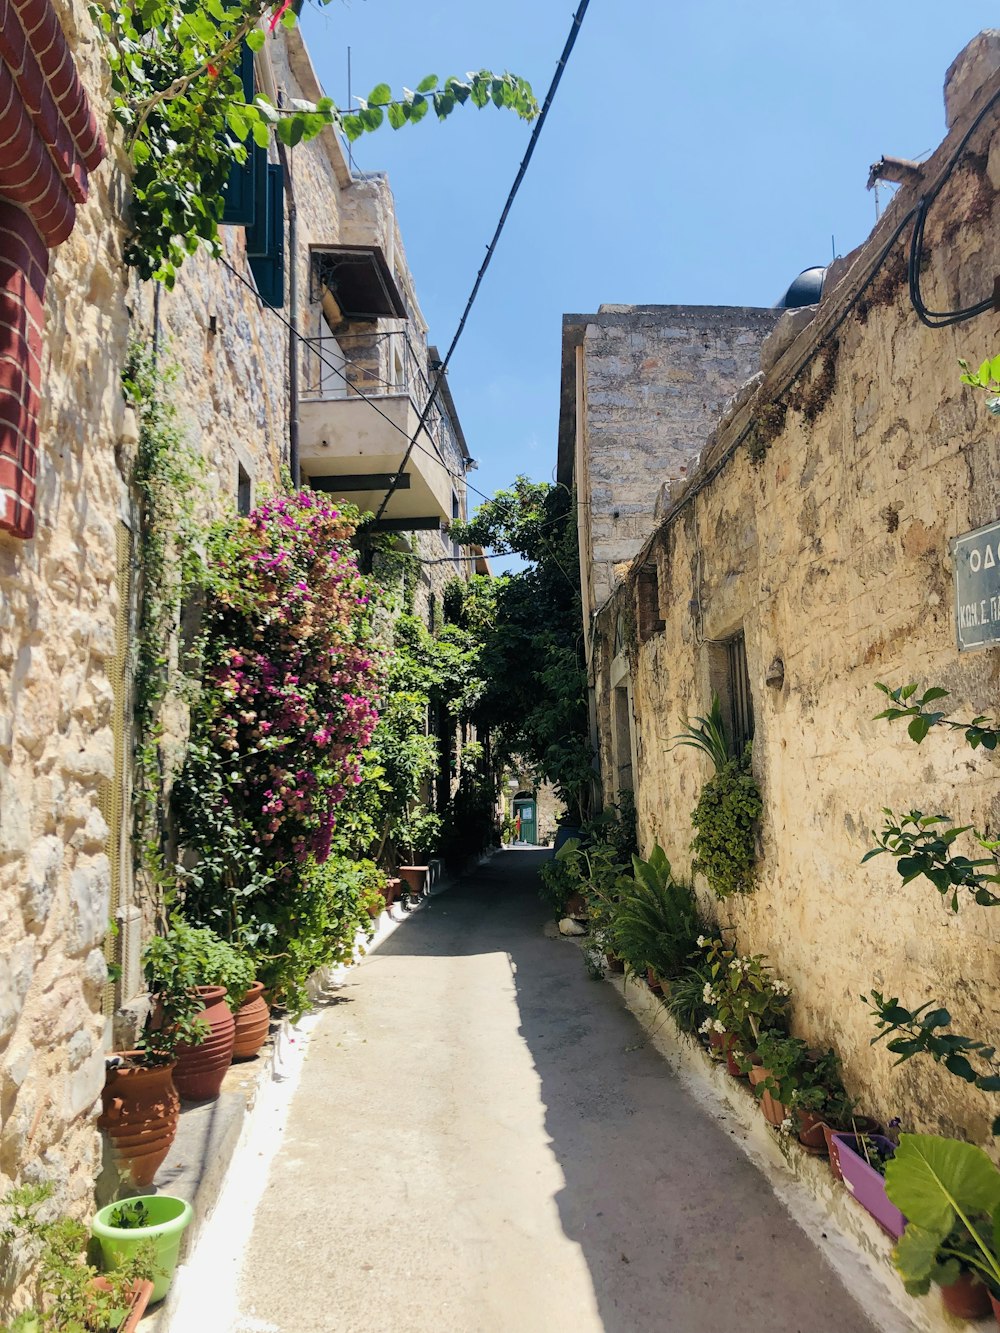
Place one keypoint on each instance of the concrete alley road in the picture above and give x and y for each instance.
(483, 1142)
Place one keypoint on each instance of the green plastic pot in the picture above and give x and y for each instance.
(168, 1220)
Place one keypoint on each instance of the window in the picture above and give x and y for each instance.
(647, 593)
(740, 701)
(621, 708)
(244, 490)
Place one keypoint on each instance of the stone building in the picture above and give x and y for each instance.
(810, 554)
(641, 388)
(254, 401)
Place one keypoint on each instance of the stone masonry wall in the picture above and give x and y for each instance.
(655, 380)
(60, 639)
(833, 556)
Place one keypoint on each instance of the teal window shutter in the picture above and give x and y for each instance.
(269, 269)
(246, 183)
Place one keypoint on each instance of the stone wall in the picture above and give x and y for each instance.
(831, 555)
(64, 628)
(648, 382)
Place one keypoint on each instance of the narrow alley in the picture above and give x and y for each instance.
(482, 1140)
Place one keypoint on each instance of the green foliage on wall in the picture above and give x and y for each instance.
(727, 810)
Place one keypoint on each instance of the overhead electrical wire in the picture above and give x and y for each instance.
(491, 248)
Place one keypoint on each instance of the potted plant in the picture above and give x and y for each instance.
(131, 1226)
(950, 1192)
(70, 1295)
(183, 963)
(418, 830)
(864, 1159)
(140, 1102)
(654, 921)
(744, 999)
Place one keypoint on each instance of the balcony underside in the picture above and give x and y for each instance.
(346, 438)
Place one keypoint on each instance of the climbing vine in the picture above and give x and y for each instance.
(168, 477)
(187, 121)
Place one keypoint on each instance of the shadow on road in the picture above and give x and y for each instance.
(678, 1229)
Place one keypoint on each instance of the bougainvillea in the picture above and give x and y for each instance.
(291, 674)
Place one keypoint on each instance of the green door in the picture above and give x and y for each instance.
(524, 810)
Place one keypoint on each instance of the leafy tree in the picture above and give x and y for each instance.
(534, 701)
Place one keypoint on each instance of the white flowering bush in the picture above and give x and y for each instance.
(745, 996)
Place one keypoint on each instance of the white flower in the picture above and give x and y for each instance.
(780, 987)
(786, 1125)
(734, 964)
(706, 1027)
(708, 995)
(701, 941)
(719, 1027)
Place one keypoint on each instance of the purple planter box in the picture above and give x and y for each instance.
(865, 1183)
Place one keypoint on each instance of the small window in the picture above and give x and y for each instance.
(244, 491)
(740, 700)
(647, 593)
(622, 737)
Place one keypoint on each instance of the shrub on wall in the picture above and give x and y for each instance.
(727, 809)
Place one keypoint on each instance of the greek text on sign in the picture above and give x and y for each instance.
(977, 587)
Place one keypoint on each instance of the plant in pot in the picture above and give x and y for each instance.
(418, 831)
(69, 1295)
(864, 1159)
(685, 1000)
(140, 1102)
(744, 998)
(655, 922)
(180, 968)
(950, 1194)
(131, 1226)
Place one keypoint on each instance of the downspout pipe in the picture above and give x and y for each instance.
(293, 319)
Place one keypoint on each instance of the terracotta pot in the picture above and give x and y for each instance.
(774, 1111)
(996, 1307)
(653, 982)
(252, 1020)
(615, 964)
(415, 878)
(811, 1135)
(725, 1044)
(391, 891)
(865, 1125)
(139, 1114)
(201, 1069)
(968, 1297)
(141, 1293)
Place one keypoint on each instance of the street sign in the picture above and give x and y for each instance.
(977, 587)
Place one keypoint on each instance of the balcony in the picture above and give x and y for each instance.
(357, 414)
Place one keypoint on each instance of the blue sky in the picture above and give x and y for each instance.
(694, 154)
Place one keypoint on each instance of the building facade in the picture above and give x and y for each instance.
(810, 555)
(338, 404)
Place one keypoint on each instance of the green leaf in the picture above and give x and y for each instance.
(930, 1179)
(958, 1065)
(380, 95)
(255, 39)
(936, 692)
(289, 19)
(398, 114)
(427, 84)
(995, 368)
(261, 133)
(918, 729)
(984, 372)
(915, 1257)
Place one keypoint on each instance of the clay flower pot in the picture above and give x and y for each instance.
(811, 1133)
(725, 1044)
(653, 982)
(615, 964)
(968, 1298)
(774, 1111)
(996, 1307)
(415, 878)
(139, 1114)
(141, 1295)
(576, 906)
(201, 1069)
(252, 1020)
